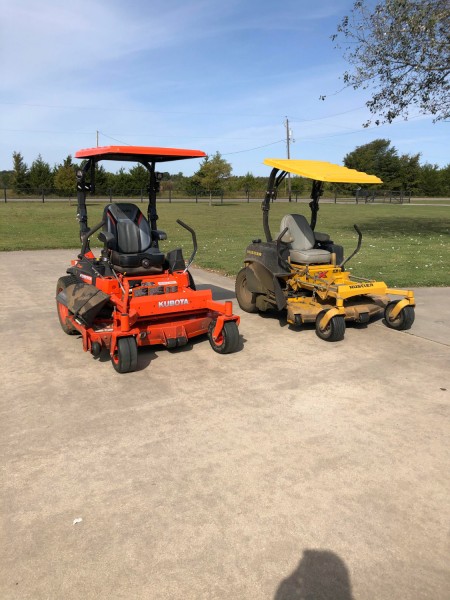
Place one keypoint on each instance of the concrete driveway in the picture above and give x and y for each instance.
(292, 469)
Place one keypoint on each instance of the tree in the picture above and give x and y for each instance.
(139, 178)
(6, 178)
(297, 185)
(409, 173)
(122, 182)
(401, 50)
(64, 177)
(212, 172)
(381, 159)
(444, 178)
(375, 158)
(20, 175)
(101, 179)
(248, 183)
(430, 181)
(40, 175)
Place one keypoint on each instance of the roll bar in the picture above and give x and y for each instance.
(83, 187)
(271, 195)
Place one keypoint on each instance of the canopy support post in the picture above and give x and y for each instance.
(316, 192)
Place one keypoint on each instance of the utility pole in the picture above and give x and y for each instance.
(288, 140)
(97, 138)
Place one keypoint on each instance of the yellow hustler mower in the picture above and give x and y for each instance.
(303, 271)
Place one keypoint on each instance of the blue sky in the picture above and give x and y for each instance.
(202, 74)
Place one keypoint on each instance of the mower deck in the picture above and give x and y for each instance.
(330, 288)
(156, 310)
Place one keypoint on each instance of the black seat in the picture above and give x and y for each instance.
(129, 239)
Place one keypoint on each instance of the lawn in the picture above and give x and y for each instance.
(404, 245)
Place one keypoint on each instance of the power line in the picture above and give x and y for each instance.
(227, 154)
(250, 149)
(176, 112)
(140, 135)
(112, 138)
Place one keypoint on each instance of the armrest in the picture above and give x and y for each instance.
(321, 237)
(106, 237)
(159, 235)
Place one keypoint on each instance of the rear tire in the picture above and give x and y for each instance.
(63, 311)
(403, 320)
(124, 359)
(245, 298)
(228, 341)
(334, 331)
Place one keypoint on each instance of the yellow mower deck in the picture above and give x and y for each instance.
(338, 293)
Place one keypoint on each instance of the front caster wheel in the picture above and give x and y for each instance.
(124, 359)
(334, 331)
(96, 349)
(403, 320)
(228, 340)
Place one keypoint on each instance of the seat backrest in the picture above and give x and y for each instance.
(299, 236)
(129, 227)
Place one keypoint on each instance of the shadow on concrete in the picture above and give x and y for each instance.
(219, 293)
(146, 355)
(320, 575)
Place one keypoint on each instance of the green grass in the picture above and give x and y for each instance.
(404, 245)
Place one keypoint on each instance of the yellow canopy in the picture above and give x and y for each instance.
(321, 171)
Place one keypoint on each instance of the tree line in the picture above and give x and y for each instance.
(399, 172)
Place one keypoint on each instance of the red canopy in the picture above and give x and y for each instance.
(138, 153)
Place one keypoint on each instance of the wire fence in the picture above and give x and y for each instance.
(358, 196)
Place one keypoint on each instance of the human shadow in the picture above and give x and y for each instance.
(320, 575)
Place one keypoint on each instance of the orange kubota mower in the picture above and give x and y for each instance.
(134, 294)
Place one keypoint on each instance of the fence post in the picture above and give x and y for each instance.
(335, 196)
(4, 189)
(170, 196)
(43, 195)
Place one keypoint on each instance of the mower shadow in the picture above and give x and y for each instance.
(281, 317)
(145, 357)
(219, 293)
(201, 339)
